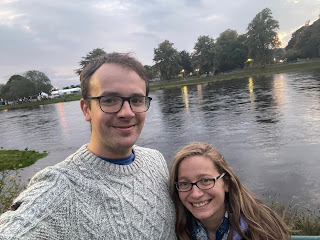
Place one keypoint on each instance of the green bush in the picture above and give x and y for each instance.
(11, 163)
(301, 218)
(10, 187)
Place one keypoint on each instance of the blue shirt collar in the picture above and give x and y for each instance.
(120, 161)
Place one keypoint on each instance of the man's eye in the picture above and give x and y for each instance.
(137, 100)
(109, 100)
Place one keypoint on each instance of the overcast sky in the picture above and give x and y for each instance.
(52, 35)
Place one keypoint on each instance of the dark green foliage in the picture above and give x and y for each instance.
(262, 37)
(204, 57)
(151, 71)
(89, 57)
(17, 87)
(167, 60)
(305, 42)
(186, 62)
(231, 50)
(40, 81)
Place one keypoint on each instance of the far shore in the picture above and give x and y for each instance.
(312, 64)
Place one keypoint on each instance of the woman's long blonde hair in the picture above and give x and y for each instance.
(263, 223)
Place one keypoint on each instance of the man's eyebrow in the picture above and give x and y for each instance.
(107, 93)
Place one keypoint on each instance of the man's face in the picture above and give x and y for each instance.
(113, 134)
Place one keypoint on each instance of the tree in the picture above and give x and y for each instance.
(295, 38)
(262, 37)
(17, 87)
(204, 54)
(305, 42)
(167, 60)
(231, 50)
(89, 57)
(151, 71)
(40, 81)
(186, 61)
(1, 87)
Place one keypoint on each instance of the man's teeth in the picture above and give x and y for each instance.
(200, 204)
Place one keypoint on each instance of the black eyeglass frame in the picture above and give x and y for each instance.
(196, 183)
(148, 101)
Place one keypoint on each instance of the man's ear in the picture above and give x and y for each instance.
(85, 109)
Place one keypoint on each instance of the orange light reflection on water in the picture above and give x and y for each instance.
(62, 118)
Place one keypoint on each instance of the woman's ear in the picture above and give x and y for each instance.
(226, 188)
(225, 185)
(85, 109)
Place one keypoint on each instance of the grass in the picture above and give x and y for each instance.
(303, 222)
(67, 98)
(10, 187)
(301, 218)
(11, 163)
(15, 159)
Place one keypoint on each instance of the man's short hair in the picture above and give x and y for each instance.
(123, 59)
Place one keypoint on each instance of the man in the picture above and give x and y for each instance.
(110, 188)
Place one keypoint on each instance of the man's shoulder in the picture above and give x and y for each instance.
(59, 172)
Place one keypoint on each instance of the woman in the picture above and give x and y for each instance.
(211, 203)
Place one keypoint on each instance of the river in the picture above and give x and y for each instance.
(268, 129)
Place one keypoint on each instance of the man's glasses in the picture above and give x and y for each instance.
(203, 184)
(113, 104)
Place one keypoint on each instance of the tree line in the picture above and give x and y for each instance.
(305, 42)
(21, 88)
(258, 47)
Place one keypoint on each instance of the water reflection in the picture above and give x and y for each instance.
(63, 120)
(279, 91)
(268, 128)
(199, 91)
(184, 91)
(252, 97)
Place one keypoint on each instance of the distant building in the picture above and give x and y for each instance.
(59, 93)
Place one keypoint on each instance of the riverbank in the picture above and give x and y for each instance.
(270, 70)
(15, 159)
(67, 98)
(11, 163)
(313, 64)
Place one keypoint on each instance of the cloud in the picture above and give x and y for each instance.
(52, 36)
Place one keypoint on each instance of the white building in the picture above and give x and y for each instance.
(59, 93)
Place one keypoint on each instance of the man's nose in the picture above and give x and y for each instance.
(126, 109)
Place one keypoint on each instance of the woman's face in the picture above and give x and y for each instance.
(205, 205)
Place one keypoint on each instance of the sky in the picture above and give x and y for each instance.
(52, 36)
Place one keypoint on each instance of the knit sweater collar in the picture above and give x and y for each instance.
(87, 159)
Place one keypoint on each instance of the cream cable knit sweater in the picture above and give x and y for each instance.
(84, 197)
